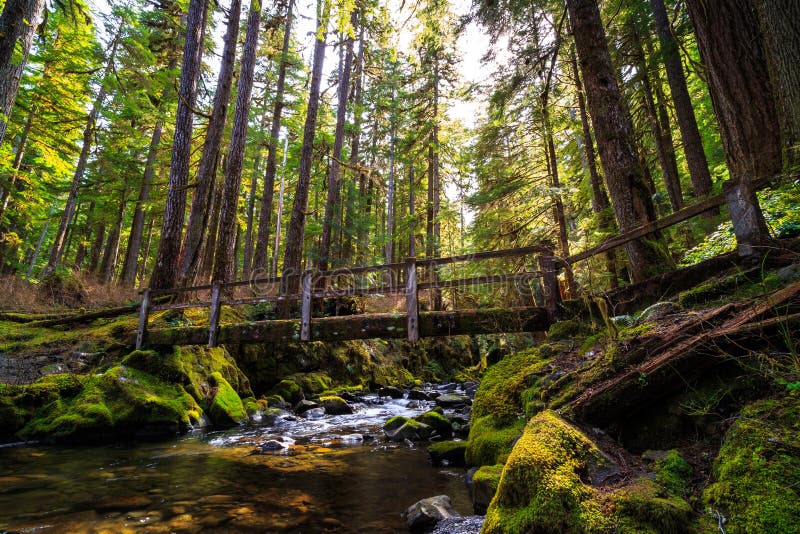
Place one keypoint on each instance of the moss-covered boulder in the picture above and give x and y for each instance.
(225, 407)
(438, 422)
(546, 486)
(401, 428)
(123, 401)
(335, 405)
(289, 391)
(541, 488)
(448, 453)
(484, 485)
(757, 472)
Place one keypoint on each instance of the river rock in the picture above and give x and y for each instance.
(402, 428)
(437, 422)
(314, 413)
(460, 525)
(335, 405)
(428, 512)
(450, 453)
(272, 445)
(418, 394)
(390, 391)
(453, 401)
(304, 405)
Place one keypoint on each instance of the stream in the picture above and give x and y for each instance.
(328, 474)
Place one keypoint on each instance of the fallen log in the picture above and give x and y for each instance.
(639, 386)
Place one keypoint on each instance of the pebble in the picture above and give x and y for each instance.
(460, 525)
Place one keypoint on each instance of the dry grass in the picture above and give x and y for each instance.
(18, 295)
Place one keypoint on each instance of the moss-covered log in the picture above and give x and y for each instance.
(386, 326)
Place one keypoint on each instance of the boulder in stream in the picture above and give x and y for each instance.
(335, 405)
(304, 405)
(390, 391)
(453, 401)
(426, 513)
(402, 428)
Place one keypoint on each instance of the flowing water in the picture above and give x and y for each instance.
(335, 474)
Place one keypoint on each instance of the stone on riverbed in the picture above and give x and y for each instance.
(459, 525)
(448, 453)
(437, 422)
(335, 405)
(453, 401)
(304, 405)
(402, 428)
(428, 512)
(418, 394)
(390, 391)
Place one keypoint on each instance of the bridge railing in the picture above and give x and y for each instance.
(314, 286)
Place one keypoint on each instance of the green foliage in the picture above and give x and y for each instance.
(757, 469)
(673, 472)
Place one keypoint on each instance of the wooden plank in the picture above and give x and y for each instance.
(360, 270)
(485, 255)
(412, 302)
(261, 300)
(216, 307)
(478, 280)
(384, 326)
(357, 291)
(144, 312)
(305, 321)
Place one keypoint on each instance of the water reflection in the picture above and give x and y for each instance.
(333, 475)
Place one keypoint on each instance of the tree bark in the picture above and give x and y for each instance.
(729, 40)
(614, 133)
(165, 270)
(18, 24)
(225, 253)
(108, 267)
(684, 112)
(294, 235)
(334, 185)
(780, 25)
(207, 170)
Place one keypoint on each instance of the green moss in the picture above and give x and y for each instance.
(225, 407)
(438, 422)
(313, 383)
(644, 507)
(569, 329)
(121, 402)
(544, 488)
(757, 470)
(395, 422)
(452, 452)
(488, 475)
(289, 391)
(673, 472)
(503, 384)
(491, 439)
(540, 489)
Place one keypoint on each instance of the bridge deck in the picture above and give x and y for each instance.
(431, 324)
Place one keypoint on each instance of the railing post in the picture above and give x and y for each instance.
(412, 304)
(305, 321)
(144, 313)
(552, 294)
(216, 307)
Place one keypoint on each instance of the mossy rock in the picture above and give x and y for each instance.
(120, 402)
(546, 487)
(673, 472)
(757, 471)
(401, 428)
(491, 439)
(335, 405)
(438, 422)
(313, 383)
(289, 391)
(541, 488)
(225, 407)
(448, 453)
(484, 486)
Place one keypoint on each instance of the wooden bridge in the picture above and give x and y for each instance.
(395, 279)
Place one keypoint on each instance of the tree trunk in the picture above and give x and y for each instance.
(780, 25)
(207, 170)
(148, 243)
(355, 146)
(210, 245)
(5, 196)
(108, 267)
(80, 255)
(294, 235)
(412, 231)
(600, 203)
(729, 41)
(334, 185)
(614, 133)
(662, 135)
(80, 168)
(684, 112)
(18, 24)
(165, 270)
(97, 248)
(223, 264)
(262, 241)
